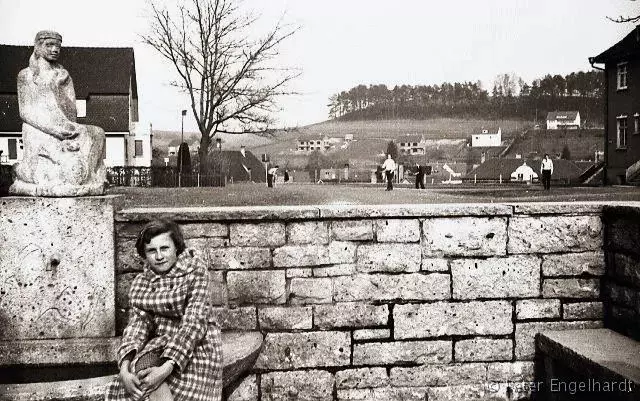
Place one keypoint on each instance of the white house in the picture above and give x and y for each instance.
(524, 173)
(486, 139)
(412, 145)
(563, 119)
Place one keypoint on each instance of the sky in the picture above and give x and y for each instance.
(343, 43)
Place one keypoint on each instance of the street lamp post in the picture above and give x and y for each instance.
(181, 156)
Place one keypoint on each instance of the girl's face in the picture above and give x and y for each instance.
(161, 254)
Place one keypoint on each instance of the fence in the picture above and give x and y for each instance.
(161, 177)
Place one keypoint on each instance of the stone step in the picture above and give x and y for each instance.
(240, 350)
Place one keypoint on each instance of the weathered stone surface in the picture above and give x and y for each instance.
(259, 234)
(123, 284)
(247, 390)
(308, 232)
(626, 268)
(398, 230)
(415, 210)
(128, 230)
(304, 291)
(304, 350)
(388, 258)
(583, 310)
(127, 258)
(496, 277)
(483, 349)
(619, 294)
(399, 352)
(480, 391)
(342, 252)
(352, 230)
(344, 269)
(573, 264)
(371, 334)
(362, 378)
(286, 318)
(225, 213)
(525, 334)
(309, 385)
(537, 308)
(350, 314)
(243, 318)
(546, 234)
(382, 287)
(435, 265)
(238, 258)
(218, 288)
(383, 394)
(257, 287)
(299, 272)
(559, 208)
(571, 288)
(510, 371)
(197, 230)
(623, 231)
(464, 236)
(446, 318)
(300, 255)
(204, 246)
(60, 252)
(438, 375)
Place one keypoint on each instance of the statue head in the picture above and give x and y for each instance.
(47, 45)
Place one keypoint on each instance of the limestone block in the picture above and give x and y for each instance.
(198, 230)
(205, 246)
(258, 234)
(371, 334)
(123, 284)
(352, 230)
(343, 269)
(309, 385)
(571, 288)
(496, 277)
(383, 394)
(362, 378)
(510, 371)
(218, 288)
(243, 318)
(238, 258)
(308, 232)
(350, 314)
(438, 375)
(435, 265)
(60, 252)
(546, 234)
(299, 272)
(257, 287)
(400, 352)
(127, 258)
(304, 350)
(483, 349)
(525, 334)
(382, 287)
(480, 391)
(342, 252)
(300, 255)
(394, 258)
(286, 318)
(573, 264)
(537, 309)
(398, 230)
(583, 310)
(247, 390)
(448, 318)
(305, 291)
(464, 236)
(128, 229)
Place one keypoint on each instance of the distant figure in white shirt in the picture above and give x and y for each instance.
(389, 167)
(271, 176)
(546, 169)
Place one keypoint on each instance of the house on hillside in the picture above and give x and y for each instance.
(310, 144)
(622, 109)
(106, 95)
(412, 145)
(563, 120)
(487, 138)
(241, 165)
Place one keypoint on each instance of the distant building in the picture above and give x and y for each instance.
(622, 108)
(412, 145)
(563, 120)
(523, 173)
(505, 169)
(314, 143)
(486, 138)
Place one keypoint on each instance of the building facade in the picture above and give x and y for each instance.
(563, 120)
(316, 143)
(487, 139)
(412, 145)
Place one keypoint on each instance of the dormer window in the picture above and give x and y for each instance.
(622, 75)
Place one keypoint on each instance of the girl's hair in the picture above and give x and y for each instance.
(157, 227)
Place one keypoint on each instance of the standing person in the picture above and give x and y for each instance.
(546, 169)
(168, 350)
(419, 176)
(389, 167)
(286, 175)
(271, 176)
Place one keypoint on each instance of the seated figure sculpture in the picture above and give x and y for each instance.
(61, 157)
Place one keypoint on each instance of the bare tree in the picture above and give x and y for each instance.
(231, 78)
(623, 19)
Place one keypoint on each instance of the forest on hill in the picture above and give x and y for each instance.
(510, 98)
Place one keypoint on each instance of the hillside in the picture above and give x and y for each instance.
(582, 143)
(161, 139)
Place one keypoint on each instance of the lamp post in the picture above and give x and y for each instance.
(180, 155)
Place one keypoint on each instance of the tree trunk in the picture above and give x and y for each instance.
(203, 153)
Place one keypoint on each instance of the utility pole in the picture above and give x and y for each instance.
(181, 156)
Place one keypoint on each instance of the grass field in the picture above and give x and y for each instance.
(371, 194)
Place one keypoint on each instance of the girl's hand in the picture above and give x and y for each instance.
(130, 381)
(151, 378)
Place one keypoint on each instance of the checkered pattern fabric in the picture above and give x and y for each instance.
(169, 315)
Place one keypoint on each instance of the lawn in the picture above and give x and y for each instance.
(247, 194)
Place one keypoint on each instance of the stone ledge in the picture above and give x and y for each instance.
(185, 214)
(415, 210)
(586, 207)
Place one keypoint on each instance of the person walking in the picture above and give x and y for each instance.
(546, 169)
(271, 176)
(389, 167)
(419, 176)
(286, 175)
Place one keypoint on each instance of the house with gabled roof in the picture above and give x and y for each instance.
(563, 120)
(106, 95)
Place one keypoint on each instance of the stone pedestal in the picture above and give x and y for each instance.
(57, 267)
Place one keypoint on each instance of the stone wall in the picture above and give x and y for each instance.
(437, 302)
(621, 289)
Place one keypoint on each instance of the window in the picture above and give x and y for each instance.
(138, 150)
(81, 107)
(636, 124)
(13, 149)
(621, 140)
(622, 76)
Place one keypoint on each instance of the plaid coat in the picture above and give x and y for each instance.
(169, 315)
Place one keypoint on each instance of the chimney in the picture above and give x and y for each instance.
(243, 150)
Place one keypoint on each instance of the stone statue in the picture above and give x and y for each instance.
(61, 157)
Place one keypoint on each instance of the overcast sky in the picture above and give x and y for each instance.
(343, 43)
